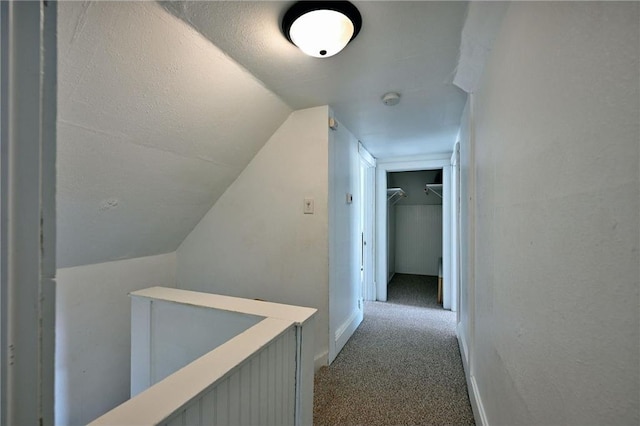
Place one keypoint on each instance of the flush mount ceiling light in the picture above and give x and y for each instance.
(321, 28)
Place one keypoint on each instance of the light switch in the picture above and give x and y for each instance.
(308, 206)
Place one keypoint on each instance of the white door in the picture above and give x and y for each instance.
(367, 188)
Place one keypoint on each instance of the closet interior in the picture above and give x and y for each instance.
(414, 224)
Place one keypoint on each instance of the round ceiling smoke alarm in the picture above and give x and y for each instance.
(391, 98)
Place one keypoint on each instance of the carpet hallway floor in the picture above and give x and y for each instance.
(402, 366)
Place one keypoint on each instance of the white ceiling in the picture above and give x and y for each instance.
(154, 123)
(409, 47)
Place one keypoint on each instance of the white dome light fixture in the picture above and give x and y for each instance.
(321, 28)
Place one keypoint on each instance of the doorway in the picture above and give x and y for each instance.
(414, 225)
(382, 266)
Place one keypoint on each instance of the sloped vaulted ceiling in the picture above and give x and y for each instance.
(410, 47)
(154, 123)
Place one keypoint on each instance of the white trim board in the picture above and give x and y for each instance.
(365, 155)
(464, 351)
(402, 162)
(298, 314)
(320, 360)
(479, 414)
(346, 329)
(28, 58)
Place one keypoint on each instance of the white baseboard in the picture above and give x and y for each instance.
(320, 360)
(476, 404)
(474, 394)
(344, 332)
(464, 352)
(391, 277)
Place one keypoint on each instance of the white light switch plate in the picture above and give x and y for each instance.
(308, 206)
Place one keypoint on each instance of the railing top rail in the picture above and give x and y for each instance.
(296, 314)
(159, 402)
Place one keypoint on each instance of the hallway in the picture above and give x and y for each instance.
(402, 365)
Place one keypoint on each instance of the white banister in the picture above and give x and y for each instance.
(263, 375)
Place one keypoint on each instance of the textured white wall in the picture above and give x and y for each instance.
(344, 238)
(465, 312)
(93, 333)
(152, 129)
(255, 242)
(558, 217)
(418, 239)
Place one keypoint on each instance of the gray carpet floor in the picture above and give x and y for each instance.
(402, 366)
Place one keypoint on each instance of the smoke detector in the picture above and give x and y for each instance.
(391, 98)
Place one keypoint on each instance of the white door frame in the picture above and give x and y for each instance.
(367, 185)
(405, 164)
(455, 230)
(27, 211)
